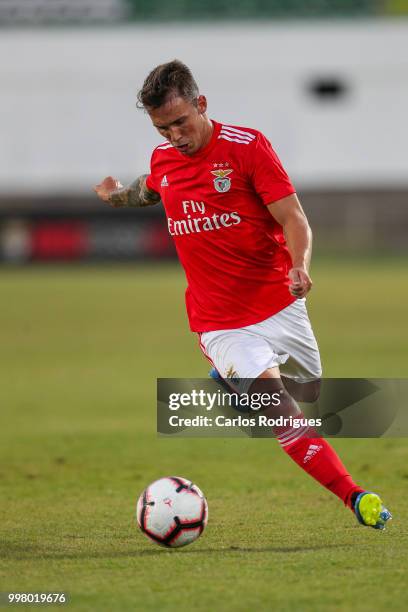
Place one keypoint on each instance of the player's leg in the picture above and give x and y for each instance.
(303, 444)
(316, 456)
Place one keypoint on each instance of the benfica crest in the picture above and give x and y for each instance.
(222, 183)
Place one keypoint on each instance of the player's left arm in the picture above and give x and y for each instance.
(137, 194)
(289, 213)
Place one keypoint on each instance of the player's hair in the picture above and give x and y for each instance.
(173, 78)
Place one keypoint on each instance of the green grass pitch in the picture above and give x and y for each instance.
(80, 351)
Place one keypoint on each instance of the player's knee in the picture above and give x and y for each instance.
(308, 392)
(311, 391)
(280, 401)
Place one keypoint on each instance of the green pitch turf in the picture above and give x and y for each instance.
(80, 351)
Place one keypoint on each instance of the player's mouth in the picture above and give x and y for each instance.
(183, 148)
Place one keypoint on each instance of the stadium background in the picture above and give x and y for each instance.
(92, 298)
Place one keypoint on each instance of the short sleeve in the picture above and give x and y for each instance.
(150, 183)
(151, 179)
(268, 176)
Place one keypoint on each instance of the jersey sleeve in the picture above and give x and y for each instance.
(267, 174)
(150, 183)
(152, 180)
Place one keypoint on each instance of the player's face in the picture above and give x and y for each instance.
(184, 124)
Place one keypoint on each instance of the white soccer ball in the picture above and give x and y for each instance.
(172, 512)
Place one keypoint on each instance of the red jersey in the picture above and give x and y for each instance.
(231, 248)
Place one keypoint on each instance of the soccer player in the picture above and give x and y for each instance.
(245, 245)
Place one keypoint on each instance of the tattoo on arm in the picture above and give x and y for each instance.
(136, 194)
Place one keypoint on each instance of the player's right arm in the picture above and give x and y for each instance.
(136, 194)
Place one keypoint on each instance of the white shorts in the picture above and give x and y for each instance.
(285, 340)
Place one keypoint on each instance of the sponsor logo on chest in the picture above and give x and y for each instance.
(197, 220)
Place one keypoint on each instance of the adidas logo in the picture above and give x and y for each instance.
(311, 452)
(164, 182)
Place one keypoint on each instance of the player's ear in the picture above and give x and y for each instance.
(201, 104)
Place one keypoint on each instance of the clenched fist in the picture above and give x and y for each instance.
(111, 190)
(300, 282)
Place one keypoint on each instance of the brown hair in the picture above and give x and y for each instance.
(173, 78)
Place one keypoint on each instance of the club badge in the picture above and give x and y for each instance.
(222, 183)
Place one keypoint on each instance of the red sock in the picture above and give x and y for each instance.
(319, 459)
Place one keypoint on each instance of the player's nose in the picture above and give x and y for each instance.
(175, 135)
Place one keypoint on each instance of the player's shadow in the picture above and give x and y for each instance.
(240, 549)
(32, 552)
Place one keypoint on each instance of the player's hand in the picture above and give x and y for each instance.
(111, 190)
(300, 282)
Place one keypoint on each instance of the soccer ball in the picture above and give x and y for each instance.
(172, 512)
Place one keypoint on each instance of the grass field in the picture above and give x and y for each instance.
(80, 352)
